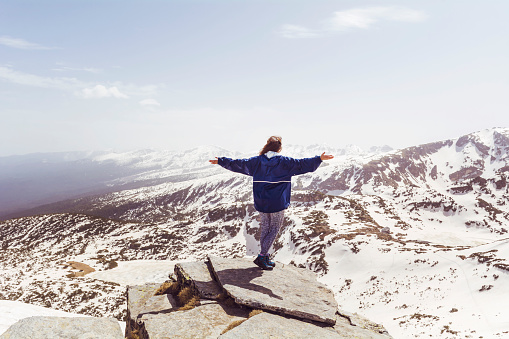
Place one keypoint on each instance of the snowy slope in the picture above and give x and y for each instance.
(442, 271)
(33, 180)
(137, 272)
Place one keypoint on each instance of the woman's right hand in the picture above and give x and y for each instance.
(213, 161)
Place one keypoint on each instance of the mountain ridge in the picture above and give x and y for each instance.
(32, 181)
(383, 231)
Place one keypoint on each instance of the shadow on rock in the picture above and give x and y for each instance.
(243, 277)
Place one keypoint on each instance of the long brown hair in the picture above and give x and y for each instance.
(274, 143)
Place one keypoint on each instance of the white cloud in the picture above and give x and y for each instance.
(83, 69)
(142, 91)
(27, 79)
(355, 18)
(366, 17)
(150, 102)
(80, 88)
(100, 91)
(20, 43)
(296, 32)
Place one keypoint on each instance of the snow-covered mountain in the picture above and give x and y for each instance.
(442, 268)
(32, 180)
(36, 179)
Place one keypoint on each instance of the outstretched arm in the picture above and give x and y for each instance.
(306, 165)
(244, 166)
(326, 156)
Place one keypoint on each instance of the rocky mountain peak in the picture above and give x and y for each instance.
(232, 298)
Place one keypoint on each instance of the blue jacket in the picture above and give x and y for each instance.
(271, 177)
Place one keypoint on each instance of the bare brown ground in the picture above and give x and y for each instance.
(84, 269)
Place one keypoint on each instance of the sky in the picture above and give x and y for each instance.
(126, 75)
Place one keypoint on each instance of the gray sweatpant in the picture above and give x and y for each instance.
(270, 224)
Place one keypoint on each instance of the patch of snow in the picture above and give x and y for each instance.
(137, 272)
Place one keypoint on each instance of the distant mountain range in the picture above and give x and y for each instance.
(28, 181)
(415, 239)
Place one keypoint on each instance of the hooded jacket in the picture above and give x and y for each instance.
(272, 176)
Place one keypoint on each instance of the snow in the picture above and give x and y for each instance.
(411, 283)
(127, 273)
(137, 272)
(453, 238)
(431, 284)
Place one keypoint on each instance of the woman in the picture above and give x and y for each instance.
(272, 175)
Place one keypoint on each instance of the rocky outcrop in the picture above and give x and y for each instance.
(266, 325)
(207, 320)
(197, 275)
(286, 290)
(141, 299)
(233, 298)
(64, 328)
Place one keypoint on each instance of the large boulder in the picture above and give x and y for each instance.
(158, 304)
(347, 320)
(141, 299)
(346, 329)
(137, 297)
(64, 328)
(224, 292)
(285, 290)
(198, 276)
(266, 325)
(208, 320)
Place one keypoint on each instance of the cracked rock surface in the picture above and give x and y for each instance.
(286, 289)
(64, 328)
(290, 303)
(266, 325)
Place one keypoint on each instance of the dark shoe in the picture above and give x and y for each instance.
(269, 262)
(260, 262)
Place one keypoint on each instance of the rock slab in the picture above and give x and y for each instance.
(266, 325)
(64, 328)
(159, 304)
(284, 290)
(205, 321)
(198, 275)
(137, 296)
(359, 322)
(349, 330)
(296, 305)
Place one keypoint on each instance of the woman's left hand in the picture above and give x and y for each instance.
(326, 156)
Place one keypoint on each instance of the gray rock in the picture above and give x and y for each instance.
(360, 322)
(347, 330)
(205, 321)
(64, 328)
(266, 325)
(386, 230)
(137, 296)
(159, 304)
(284, 290)
(197, 274)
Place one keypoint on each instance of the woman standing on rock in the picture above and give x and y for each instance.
(272, 175)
